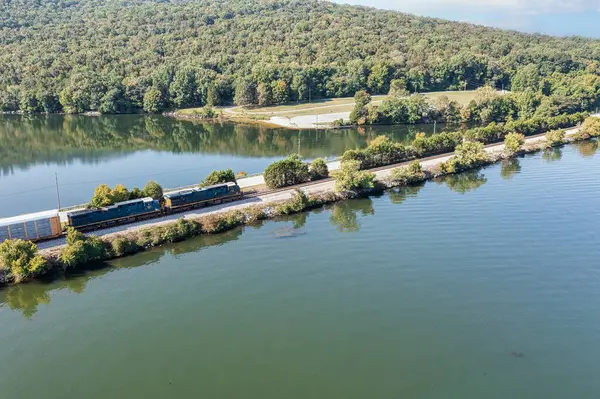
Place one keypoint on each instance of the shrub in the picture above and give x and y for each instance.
(154, 190)
(467, 155)
(513, 143)
(382, 151)
(20, 260)
(319, 169)
(119, 194)
(298, 203)
(406, 175)
(488, 134)
(102, 197)
(241, 174)
(591, 127)
(218, 177)
(81, 249)
(217, 223)
(437, 144)
(287, 172)
(123, 246)
(209, 112)
(555, 138)
(349, 178)
(135, 193)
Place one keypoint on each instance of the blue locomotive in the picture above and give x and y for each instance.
(190, 198)
(145, 208)
(119, 213)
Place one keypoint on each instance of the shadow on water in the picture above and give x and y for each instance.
(552, 154)
(345, 215)
(587, 148)
(464, 182)
(27, 297)
(61, 139)
(399, 195)
(509, 168)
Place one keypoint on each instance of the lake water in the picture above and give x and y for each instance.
(486, 285)
(132, 149)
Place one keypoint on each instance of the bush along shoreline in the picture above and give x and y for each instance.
(20, 261)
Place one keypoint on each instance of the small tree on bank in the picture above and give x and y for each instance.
(218, 177)
(591, 126)
(406, 175)
(19, 259)
(349, 178)
(555, 138)
(287, 172)
(319, 169)
(513, 143)
(152, 189)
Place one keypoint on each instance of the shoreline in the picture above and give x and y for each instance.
(320, 193)
(135, 238)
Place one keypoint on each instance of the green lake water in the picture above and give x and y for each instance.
(485, 285)
(86, 151)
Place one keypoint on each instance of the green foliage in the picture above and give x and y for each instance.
(298, 203)
(555, 138)
(104, 196)
(220, 222)
(119, 194)
(319, 169)
(19, 259)
(154, 101)
(349, 178)
(122, 246)
(82, 249)
(218, 177)
(437, 144)
(101, 197)
(591, 127)
(513, 143)
(411, 174)
(290, 47)
(154, 190)
(287, 172)
(467, 155)
(358, 114)
(398, 109)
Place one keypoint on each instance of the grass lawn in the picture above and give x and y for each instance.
(320, 107)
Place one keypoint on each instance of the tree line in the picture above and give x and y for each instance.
(151, 55)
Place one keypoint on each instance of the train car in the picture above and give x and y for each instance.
(192, 198)
(119, 213)
(34, 226)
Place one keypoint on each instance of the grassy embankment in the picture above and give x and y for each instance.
(317, 107)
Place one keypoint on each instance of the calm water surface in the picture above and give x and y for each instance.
(486, 285)
(132, 149)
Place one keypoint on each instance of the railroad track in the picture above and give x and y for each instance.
(255, 194)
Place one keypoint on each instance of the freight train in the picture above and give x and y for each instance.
(47, 225)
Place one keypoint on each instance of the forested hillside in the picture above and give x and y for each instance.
(125, 56)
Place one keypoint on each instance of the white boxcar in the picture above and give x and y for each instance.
(33, 226)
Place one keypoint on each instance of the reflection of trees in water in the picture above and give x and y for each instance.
(344, 215)
(587, 148)
(27, 297)
(552, 154)
(61, 139)
(399, 195)
(509, 167)
(464, 182)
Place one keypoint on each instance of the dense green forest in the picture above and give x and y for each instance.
(127, 56)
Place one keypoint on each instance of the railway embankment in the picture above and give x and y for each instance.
(263, 206)
(82, 250)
